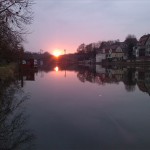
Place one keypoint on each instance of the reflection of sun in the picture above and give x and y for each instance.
(57, 53)
(56, 69)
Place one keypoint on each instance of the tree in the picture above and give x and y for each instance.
(9, 43)
(130, 41)
(90, 51)
(14, 15)
(81, 48)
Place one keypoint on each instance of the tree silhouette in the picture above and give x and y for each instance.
(14, 15)
(131, 41)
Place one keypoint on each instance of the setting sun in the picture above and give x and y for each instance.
(57, 53)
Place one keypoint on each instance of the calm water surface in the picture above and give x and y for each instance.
(89, 109)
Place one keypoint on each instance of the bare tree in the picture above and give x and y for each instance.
(81, 48)
(15, 13)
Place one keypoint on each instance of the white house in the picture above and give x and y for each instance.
(100, 57)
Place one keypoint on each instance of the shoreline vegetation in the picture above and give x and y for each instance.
(14, 16)
(8, 71)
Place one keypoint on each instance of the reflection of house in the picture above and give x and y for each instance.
(100, 69)
(129, 76)
(117, 74)
(109, 75)
(142, 50)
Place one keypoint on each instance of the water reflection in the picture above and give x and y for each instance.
(129, 76)
(90, 107)
(27, 75)
(56, 69)
(14, 134)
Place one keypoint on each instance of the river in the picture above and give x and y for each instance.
(86, 108)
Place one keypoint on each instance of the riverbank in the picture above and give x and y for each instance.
(7, 71)
(125, 63)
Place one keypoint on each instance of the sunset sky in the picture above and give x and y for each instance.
(65, 24)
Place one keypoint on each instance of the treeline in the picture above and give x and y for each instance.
(89, 51)
(14, 16)
(45, 57)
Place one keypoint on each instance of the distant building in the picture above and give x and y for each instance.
(29, 63)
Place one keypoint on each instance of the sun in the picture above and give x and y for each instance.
(57, 53)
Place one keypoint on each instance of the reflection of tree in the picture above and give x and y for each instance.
(81, 76)
(129, 76)
(13, 134)
(129, 79)
(143, 82)
(86, 75)
(130, 88)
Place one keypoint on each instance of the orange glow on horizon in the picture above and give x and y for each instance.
(57, 53)
(56, 69)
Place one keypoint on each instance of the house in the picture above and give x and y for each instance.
(103, 52)
(117, 52)
(142, 50)
(111, 52)
(29, 63)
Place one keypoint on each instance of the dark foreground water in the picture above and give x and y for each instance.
(80, 108)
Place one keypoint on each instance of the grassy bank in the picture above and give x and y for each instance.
(7, 71)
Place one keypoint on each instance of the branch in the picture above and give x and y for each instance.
(7, 7)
